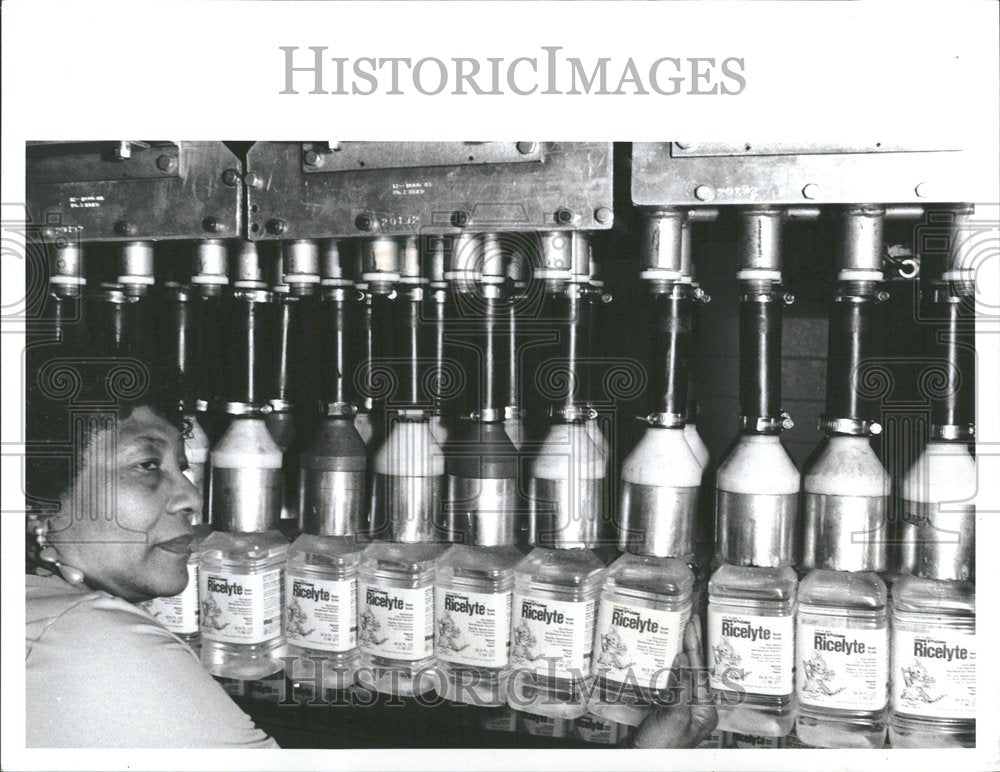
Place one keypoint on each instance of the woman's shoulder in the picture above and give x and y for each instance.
(52, 607)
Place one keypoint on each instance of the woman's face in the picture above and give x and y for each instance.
(126, 523)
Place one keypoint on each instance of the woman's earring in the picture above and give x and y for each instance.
(49, 555)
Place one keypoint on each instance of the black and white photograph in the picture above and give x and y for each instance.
(642, 448)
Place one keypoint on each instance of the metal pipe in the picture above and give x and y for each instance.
(760, 322)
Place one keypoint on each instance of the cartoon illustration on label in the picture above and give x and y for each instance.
(450, 638)
(297, 619)
(728, 662)
(917, 681)
(525, 642)
(210, 613)
(371, 628)
(614, 651)
(818, 673)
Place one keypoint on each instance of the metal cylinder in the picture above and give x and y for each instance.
(408, 485)
(760, 358)
(862, 241)
(946, 542)
(380, 256)
(340, 345)
(211, 263)
(481, 497)
(557, 252)
(580, 256)
(135, 264)
(249, 347)
(246, 482)
(332, 480)
(756, 529)
(658, 520)
(180, 341)
(845, 533)
(670, 348)
(850, 345)
(760, 238)
(333, 269)
(409, 264)
(300, 262)
(661, 239)
(952, 390)
(66, 265)
(413, 349)
(248, 270)
(435, 260)
(567, 490)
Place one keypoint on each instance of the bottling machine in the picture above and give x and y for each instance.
(481, 388)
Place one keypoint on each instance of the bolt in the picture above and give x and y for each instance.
(276, 226)
(787, 422)
(564, 216)
(253, 180)
(364, 222)
(212, 225)
(122, 151)
(312, 158)
(875, 428)
(603, 215)
(882, 296)
(704, 192)
(921, 190)
(810, 191)
(230, 177)
(166, 163)
(126, 228)
(788, 298)
(460, 219)
(48, 233)
(527, 148)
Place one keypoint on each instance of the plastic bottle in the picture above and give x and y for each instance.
(842, 659)
(552, 630)
(842, 636)
(321, 578)
(933, 664)
(752, 597)
(473, 596)
(241, 571)
(934, 613)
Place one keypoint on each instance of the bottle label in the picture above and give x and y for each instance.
(636, 644)
(502, 719)
(740, 740)
(396, 622)
(591, 729)
(839, 667)
(241, 608)
(544, 726)
(473, 628)
(178, 613)
(750, 653)
(934, 673)
(552, 637)
(321, 614)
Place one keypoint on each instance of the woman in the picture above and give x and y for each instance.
(101, 672)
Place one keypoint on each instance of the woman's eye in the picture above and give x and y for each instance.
(149, 465)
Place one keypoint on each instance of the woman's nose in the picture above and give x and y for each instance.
(186, 498)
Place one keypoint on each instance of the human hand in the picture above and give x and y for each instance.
(690, 715)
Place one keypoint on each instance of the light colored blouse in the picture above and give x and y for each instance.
(103, 673)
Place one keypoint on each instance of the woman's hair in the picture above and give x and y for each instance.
(63, 387)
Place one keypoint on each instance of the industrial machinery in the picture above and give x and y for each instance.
(422, 362)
